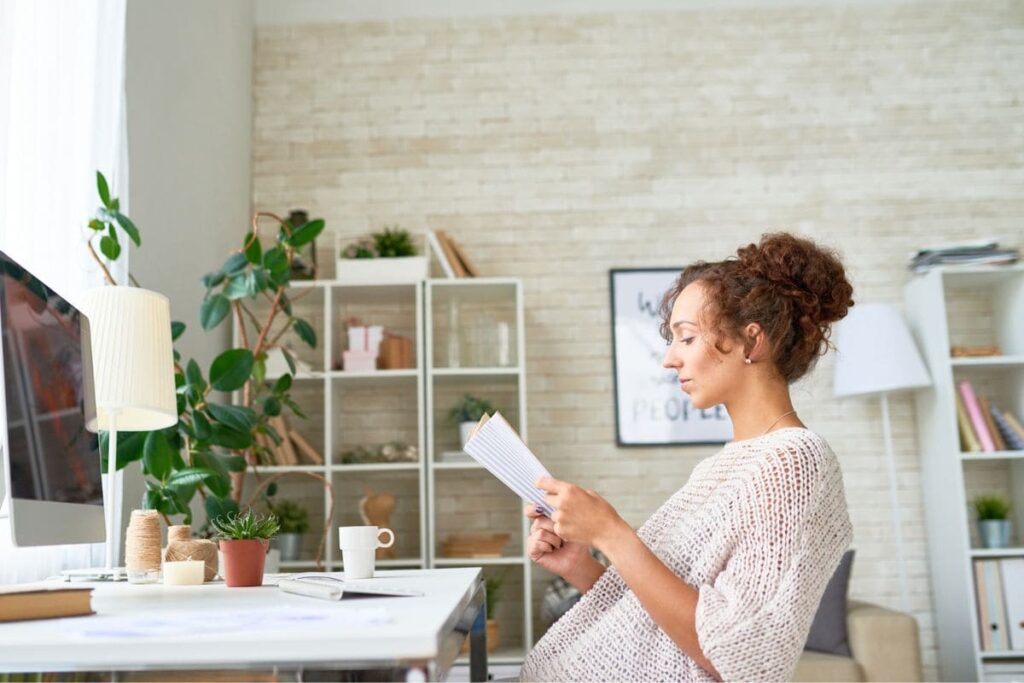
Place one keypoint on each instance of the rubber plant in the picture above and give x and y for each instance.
(208, 450)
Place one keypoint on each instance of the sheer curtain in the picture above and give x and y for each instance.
(62, 118)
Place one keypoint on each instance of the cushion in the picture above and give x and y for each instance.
(828, 630)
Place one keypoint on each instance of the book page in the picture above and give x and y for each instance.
(497, 446)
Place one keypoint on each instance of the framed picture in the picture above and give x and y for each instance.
(650, 408)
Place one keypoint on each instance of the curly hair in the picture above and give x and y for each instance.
(790, 286)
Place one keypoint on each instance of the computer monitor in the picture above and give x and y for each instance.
(51, 463)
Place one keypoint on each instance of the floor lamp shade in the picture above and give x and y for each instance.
(875, 353)
(133, 361)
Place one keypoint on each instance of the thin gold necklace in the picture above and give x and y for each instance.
(792, 412)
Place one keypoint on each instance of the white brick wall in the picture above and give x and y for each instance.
(555, 148)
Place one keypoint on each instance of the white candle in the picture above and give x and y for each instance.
(184, 573)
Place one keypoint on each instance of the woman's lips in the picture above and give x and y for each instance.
(684, 383)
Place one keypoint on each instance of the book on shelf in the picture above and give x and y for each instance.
(982, 252)
(440, 254)
(991, 429)
(1014, 423)
(1004, 423)
(1013, 593)
(449, 253)
(968, 440)
(992, 623)
(36, 601)
(986, 412)
(977, 420)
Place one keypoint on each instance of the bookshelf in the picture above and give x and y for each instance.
(347, 409)
(966, 306)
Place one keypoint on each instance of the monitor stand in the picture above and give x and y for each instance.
(96, 574)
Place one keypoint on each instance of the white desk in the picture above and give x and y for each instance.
(399, 634)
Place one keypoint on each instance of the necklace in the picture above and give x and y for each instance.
(777, 421)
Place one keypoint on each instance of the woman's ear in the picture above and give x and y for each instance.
(754, 346)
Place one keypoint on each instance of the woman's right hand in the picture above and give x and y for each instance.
(548, 550)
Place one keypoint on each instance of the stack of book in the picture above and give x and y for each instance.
(983, 426)
(963, 253)
(450, 255)
(999, 586)
(293, 449)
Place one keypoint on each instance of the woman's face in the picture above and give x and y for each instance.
(707, 375)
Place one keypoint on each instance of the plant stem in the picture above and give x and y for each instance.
(106, 273)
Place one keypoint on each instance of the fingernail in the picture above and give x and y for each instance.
(538, 510)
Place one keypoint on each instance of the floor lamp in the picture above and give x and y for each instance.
(133, 377)
(875, 354)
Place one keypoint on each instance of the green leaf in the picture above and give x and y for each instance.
(220, 506)
(254, 250)
(234, 463)
(276, 262)
(110, 248)
(231, 369)
(237, 287)
(235, 263)
(213, 310)
(239, 418)
(305, 332)
(190, 475)
(220, 484)
(272, 406)
(151, 499)
(129, 227)
(201, 426)
(213, 279)
(259, 370)
(229, 438)
(194, 375)
(129, 448)
(286, 305)
(181, 494)
(157, 455)
(104, 189)
(271, 489)
(177, 329)
(283, 384)
(295, 407)
(272, 433)
(289, 359)
(306, 234)
(97, 225)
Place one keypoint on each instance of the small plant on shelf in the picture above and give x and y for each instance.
(467, 413)
(363, 248)
(993, 514)
(294, 521)
(394, 242)
(991, 507)
(244, 538)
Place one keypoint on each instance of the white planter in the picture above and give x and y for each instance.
(382, 270)
(465, 429)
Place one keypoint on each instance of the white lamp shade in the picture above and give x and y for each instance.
(132, 358)
(875, 353)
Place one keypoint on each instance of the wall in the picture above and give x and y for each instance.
(555, 148)
(189, 95)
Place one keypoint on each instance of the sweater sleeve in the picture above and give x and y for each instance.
(753, 617)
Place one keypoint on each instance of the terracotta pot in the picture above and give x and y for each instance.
(244, 561)
(492, 638)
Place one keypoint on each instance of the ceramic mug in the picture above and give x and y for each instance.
(359, 549)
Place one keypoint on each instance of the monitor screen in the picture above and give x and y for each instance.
(52, 457)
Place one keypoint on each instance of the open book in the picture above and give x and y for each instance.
(496, 446)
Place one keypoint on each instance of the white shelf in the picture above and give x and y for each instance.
(378, 467)
(987, 361)
(1007, 654)
(286, 468)
(997, 552)
(995, 455)
(478, 561)
(475, 372)
(501, 655)
(374, 375)
(468, 465)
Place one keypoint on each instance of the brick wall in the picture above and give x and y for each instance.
(555, 148)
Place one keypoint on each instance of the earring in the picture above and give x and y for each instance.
(747, 360)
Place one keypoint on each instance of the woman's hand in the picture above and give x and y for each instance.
(581, 516)
(551, 552)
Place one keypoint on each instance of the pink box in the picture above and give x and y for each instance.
(358, 361)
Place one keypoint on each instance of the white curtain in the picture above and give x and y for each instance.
(62, 118)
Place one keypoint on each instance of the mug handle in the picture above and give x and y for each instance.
(391, 538)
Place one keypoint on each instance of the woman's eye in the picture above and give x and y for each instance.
(687, 340)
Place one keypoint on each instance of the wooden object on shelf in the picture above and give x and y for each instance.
(285, 451)
(396, 353)
(975, 351)
(451, 254)
(375, 509)
(470, 269)
(305, 448)
(474, 545)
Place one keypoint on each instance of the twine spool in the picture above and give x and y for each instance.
(142, 543)
(181, 546)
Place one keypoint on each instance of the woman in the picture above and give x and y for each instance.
(723, 581)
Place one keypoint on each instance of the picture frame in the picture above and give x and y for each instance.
(650, 408)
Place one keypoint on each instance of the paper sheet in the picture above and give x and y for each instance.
(496, 446)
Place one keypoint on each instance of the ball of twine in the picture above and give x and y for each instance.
(179, 532)
(195, 549)
(142, 542)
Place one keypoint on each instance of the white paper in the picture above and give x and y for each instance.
(496, 446)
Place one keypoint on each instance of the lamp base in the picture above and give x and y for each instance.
(96, 574)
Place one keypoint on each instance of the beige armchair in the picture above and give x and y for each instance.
(884, 644)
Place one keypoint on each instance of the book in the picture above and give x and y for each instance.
(996, 606)
(439, 254)
(968, 440)
(986, 412)
(981, 592)
(1014, 423)
(977, 421)
(496, 445)
(1013, 596)
(305, 448)
(37, 601)
(470, 269)
(450, 254)
(285, 451)
(1014, 441)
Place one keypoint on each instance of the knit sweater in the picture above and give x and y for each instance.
(757, 530)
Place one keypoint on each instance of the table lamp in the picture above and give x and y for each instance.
(875, 354)
(133, 374)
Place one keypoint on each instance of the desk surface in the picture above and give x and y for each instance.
(156, 626)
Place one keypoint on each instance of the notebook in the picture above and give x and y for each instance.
(333, 586)
(496, 445)
(35, 601)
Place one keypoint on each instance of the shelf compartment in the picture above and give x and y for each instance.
(475, 502)
(474, 326)
(404, 521)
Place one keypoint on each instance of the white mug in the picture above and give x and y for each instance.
(359, 549)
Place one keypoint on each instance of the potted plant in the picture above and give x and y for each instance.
(993, 520)
(492, 585)
(244, 539)
(386, 256)
(294, 522)
(467, 413)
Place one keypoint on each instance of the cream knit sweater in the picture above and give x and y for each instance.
(758, 530)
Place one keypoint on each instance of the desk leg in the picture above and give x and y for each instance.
(478, 647)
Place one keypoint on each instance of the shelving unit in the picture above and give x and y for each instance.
(966, 306)
(373, 407)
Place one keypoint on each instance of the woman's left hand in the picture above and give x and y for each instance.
(581, 516)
